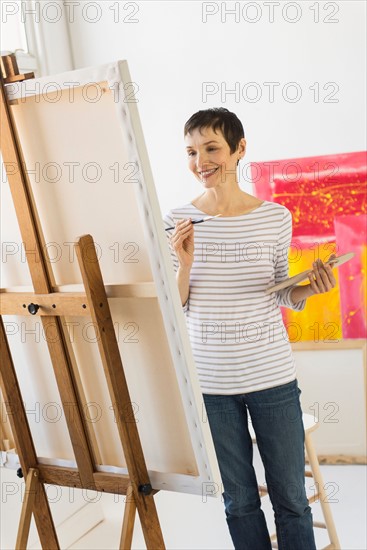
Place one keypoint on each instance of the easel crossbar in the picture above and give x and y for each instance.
(69, 477)
(56, 303)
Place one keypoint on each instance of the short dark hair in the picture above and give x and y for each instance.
(218, 117)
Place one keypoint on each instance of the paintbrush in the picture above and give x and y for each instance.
(197, 221)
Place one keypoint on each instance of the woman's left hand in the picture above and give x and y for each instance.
(321, 277)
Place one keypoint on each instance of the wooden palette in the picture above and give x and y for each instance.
(340, 260)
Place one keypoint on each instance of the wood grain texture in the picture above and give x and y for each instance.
(70, 477)
(112, 483)
(70, 399)
(6, 435)
(54, 304)
(323, 497)
(31, 490)
(43, 280)
(128, 521)
(341, 459)
(23, 441)
(17, 177)
(118, 389)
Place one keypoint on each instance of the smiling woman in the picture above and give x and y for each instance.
(240, 346)
(213, 159)
(211, 152)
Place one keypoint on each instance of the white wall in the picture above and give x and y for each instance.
(171, 54)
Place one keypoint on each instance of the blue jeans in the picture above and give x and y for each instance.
(276, 417)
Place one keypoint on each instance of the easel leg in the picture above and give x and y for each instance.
(119, 392)
(128, 522)
(31, 488)
(23, 441)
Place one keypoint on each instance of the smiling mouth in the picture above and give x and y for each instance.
(207, 173)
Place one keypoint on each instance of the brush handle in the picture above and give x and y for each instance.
(195, 221)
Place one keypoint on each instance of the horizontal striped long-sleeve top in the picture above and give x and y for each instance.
(236, 331)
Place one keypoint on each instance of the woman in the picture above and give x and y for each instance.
(241, 349)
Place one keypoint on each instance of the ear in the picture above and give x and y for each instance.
(241, 149)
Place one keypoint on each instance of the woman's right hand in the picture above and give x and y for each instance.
(182, 241)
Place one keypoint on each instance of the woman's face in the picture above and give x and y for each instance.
(210, 159)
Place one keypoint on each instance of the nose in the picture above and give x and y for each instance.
(201, 162)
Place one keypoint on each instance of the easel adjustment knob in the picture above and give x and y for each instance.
(33, 308)
(146, 488)
(20, 472)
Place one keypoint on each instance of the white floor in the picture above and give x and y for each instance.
(190, 524)
(187, 523)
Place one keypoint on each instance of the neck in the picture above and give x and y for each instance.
(224, 200)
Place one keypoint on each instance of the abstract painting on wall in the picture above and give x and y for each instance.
(327, 198)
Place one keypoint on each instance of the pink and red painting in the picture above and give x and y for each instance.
(327, 196)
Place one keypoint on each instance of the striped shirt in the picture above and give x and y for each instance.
(236, 331)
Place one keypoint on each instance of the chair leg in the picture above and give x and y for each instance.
(325, 506)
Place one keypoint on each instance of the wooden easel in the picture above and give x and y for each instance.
(51, 306)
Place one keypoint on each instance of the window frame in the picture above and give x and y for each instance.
(49, 46)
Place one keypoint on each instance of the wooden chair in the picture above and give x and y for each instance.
(311, 425)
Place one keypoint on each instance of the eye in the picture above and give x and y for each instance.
(212, 148)
(190, 153)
